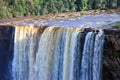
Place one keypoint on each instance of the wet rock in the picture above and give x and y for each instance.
(111, 58)
(115, 41)
(111, 68)
(6, 51)
(114, 36)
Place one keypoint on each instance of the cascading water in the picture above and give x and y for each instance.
(97, 59)
(23, 49)
(86, 65)
(56, 54)
(91, 66)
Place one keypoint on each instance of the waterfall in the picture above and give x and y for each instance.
(55, 53)
(22, 53)
(47, 60)
(91, 67)
(87, 55)
(72, 55)
(97, 59)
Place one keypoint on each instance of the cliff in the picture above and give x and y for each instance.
(111, 57)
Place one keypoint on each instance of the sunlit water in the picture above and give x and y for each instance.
(85, 21)
(56, 54)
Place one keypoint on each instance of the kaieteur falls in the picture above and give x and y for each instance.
(58, 52)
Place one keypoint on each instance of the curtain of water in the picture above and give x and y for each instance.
(22, 52)
(97, 59)
(86, 65)
(91, 66)
(56, 54)
(72, 55)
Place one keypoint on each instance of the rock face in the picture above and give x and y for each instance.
(111, 68)
(6, 51)
(114, 37)
(111, 58)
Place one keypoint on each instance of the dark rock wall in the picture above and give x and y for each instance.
(111, 68)
(111, 58)
(6, 51)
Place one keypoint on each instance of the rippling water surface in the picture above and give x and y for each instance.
(85, 21)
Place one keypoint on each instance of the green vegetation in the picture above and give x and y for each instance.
(18, 8)
(117, 24)
(118, 53)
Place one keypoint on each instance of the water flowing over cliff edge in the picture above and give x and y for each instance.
(58, 52)
(58, 55)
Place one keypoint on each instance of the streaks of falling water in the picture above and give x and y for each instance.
(50, 53)
(97, 59)
(86, 65)
(55, 54)
(23, 36)
(91, 66)
(57, 65)
(15, 64)
(35, 37)
(72, 51)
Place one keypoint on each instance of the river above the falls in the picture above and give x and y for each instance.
(85, 21)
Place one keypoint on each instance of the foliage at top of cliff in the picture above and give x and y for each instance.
(18, 8)
(117, 25)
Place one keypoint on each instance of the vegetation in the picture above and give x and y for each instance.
(118, 54)
(17, 8)
(117, 25)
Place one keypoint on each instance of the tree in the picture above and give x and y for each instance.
(71, 5)
(18, 8)
(84, 5)
(118, 3)
(78, 5)
(5, 11)
(90, 4)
